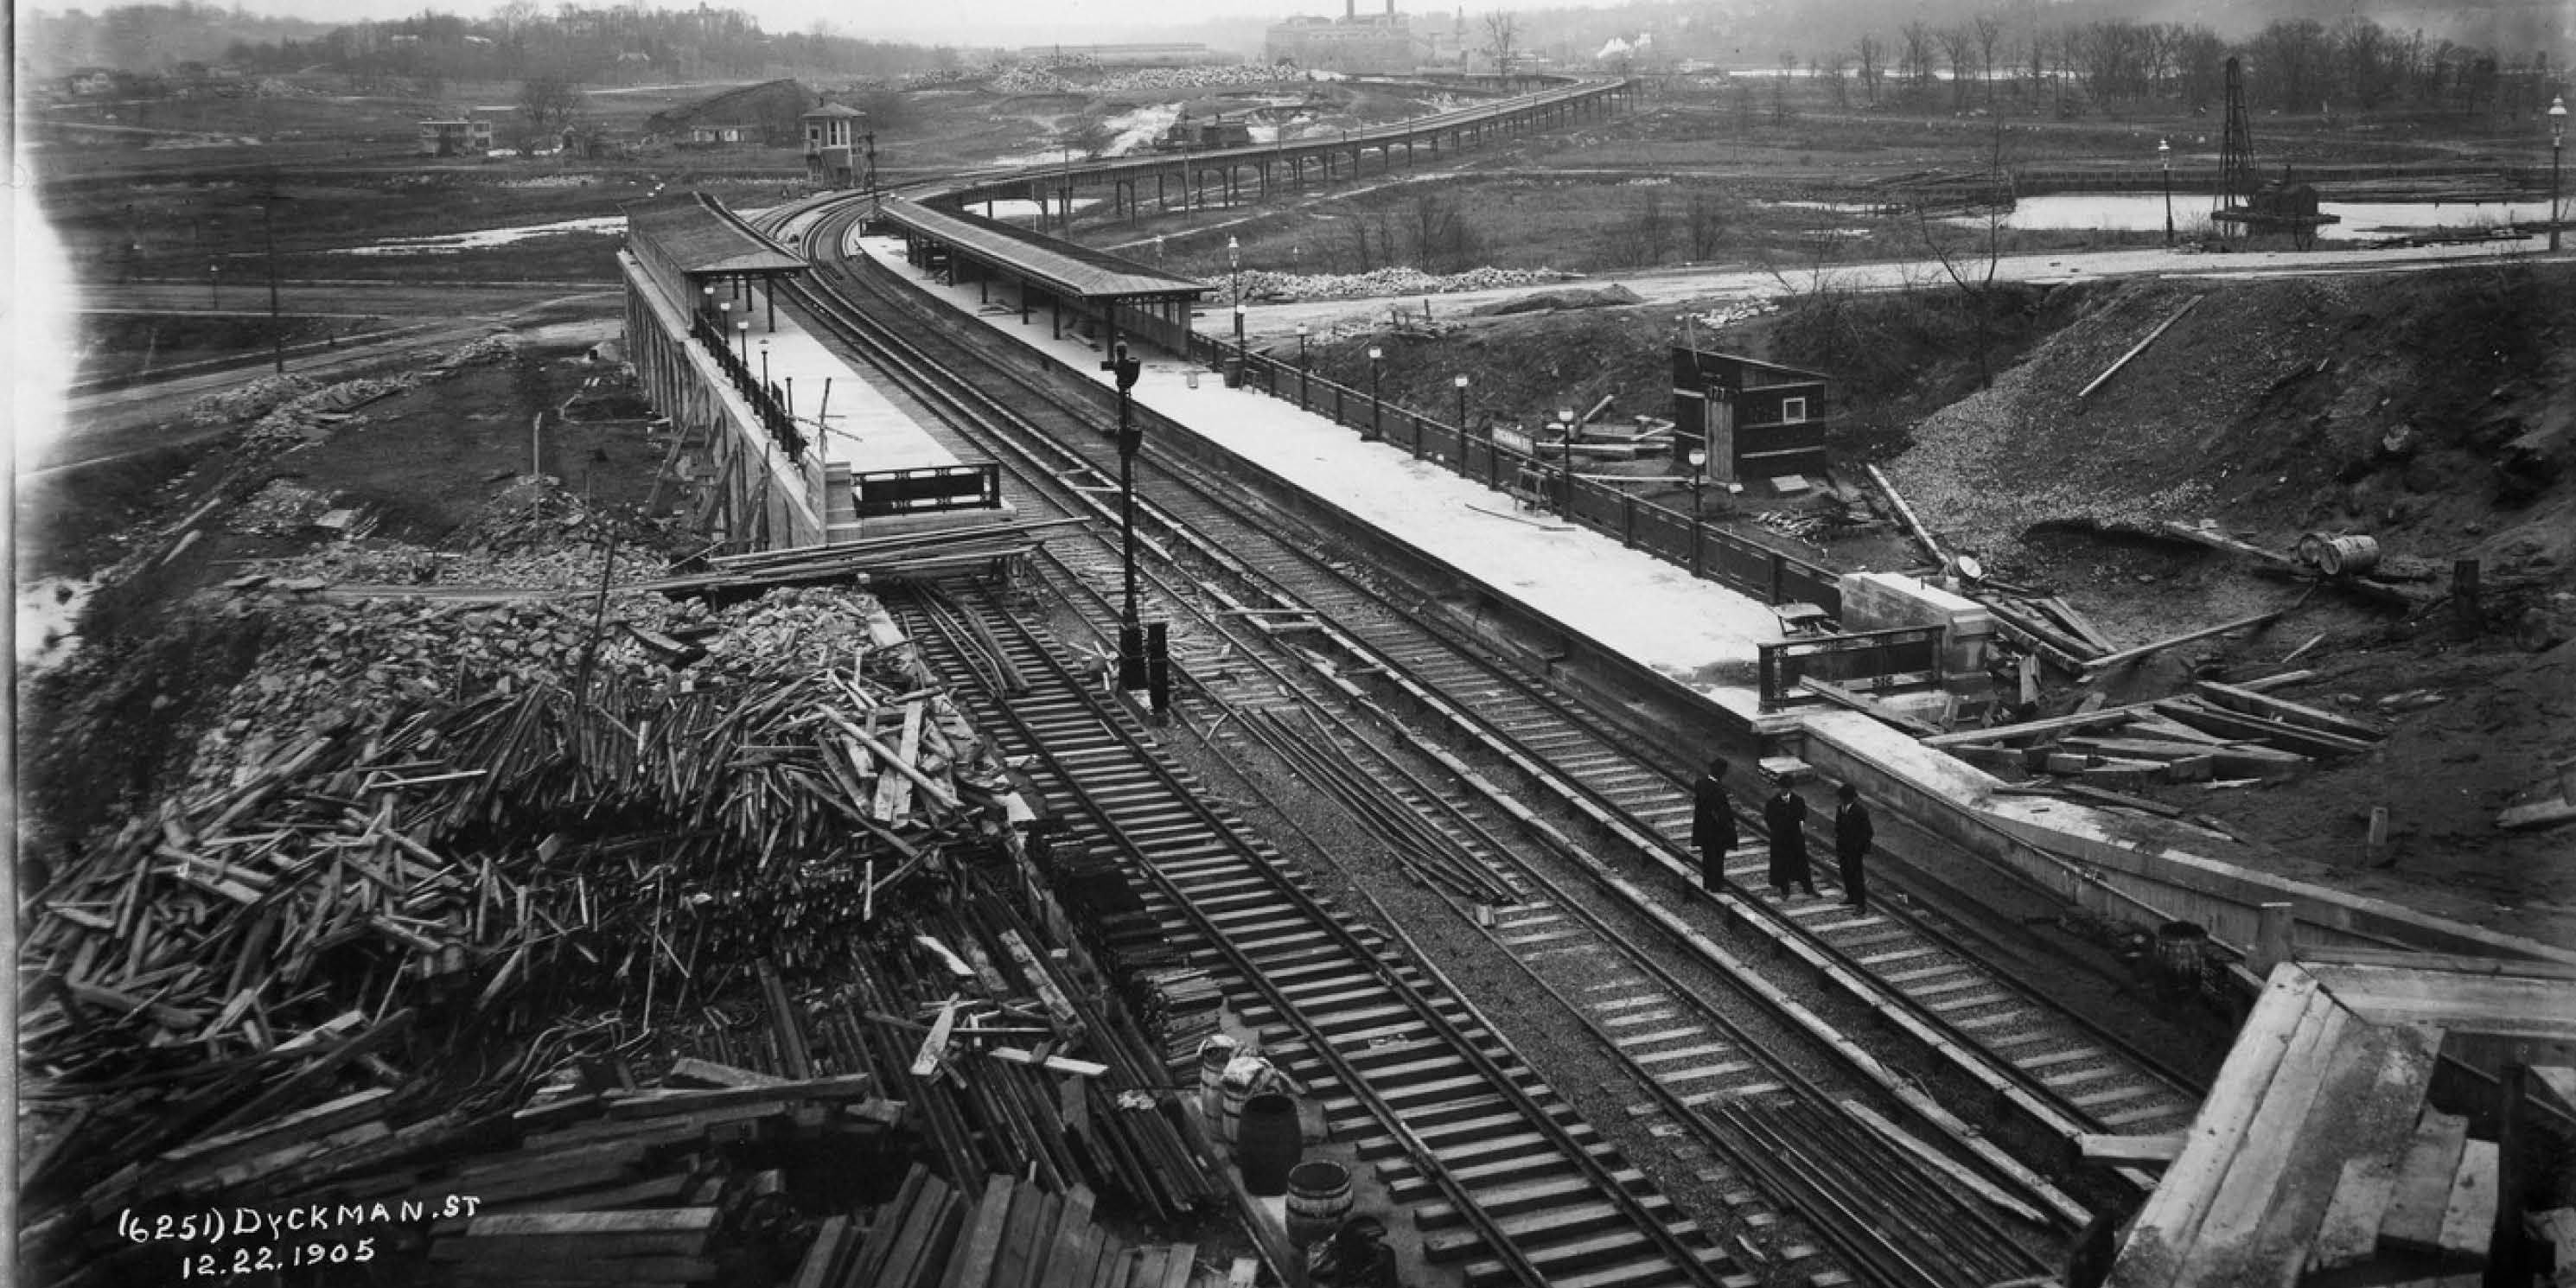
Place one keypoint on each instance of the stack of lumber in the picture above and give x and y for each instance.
(281, 930)
(2314, 1148)
(906, 556)
(2217, 732)
(2050, 627)
(622, 1186)
(1182, 1009)
(1109, 914)
(994, 1232)
(1013, 1063)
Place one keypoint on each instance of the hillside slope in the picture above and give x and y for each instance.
(2435, 412)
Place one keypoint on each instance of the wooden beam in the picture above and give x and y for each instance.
(1849, 700)
(2424, 1178)
(2265, 706)
(2143, 650)
(2136, 349)
(2129, 1151)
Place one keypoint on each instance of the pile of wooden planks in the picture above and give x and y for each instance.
(995, 1232)
(2216, 732)
(593, 1187)
(2314, 1148)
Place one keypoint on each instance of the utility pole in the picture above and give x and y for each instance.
(1131, 628)
(276, 328)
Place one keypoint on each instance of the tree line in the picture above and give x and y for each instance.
(2292, 64)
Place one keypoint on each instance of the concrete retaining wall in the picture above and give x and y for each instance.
(761, 500)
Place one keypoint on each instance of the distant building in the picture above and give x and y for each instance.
(769, 114)
(839, 150)
(1758, 420)
(1378, 44)
(90, 82)
(1143, 55)
(464, 137)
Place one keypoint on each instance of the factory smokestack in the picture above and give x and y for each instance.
(1350, 10)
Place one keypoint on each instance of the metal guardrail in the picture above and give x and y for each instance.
(765, 401)
(1864, 655)
(1711, 552)
(931, 487)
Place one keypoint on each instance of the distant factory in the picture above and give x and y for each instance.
(1377, 44)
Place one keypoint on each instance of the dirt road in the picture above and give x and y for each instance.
(1713, 286)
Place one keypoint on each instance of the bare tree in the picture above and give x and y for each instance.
(548, 103)
(1643, 240)
(1969, 257)
(1838, 67)
(1706, 227)
(1915, 64)
(1959, 46)
(1873, 63)
(1989, 32)
(1502, 36)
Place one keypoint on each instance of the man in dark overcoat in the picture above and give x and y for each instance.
(1852, 835)
(1712, 824)
(1786, 815)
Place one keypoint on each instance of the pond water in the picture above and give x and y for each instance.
(457, 243)
(2362, 220)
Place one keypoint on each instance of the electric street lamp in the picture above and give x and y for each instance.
(1699, 481)
(709, 301)
(2164, 157)
(276, 328)
(1460, 380)
(1565, 460)
(1304, 372)
(1131, 629)
(742, 336)
(764, 362)
(2557, 144)
(215, 285)
(1377, 404)
(1234, 263)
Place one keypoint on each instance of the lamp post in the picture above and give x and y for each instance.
(1377, 404)
(724, 320)
(1234, 265)
(764, 362)
(2557, 144)
(1304, 372)
(1131, 629)
(1565, 460)
(2164, 158)
(1698, 482)
(214, 286)
(742, 338)
(1460, 380)
(276, 328)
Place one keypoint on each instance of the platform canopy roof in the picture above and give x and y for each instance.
(1058, 266)
(701, 238)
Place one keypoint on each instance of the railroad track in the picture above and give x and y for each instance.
(1529, 730)
(2063, 1074)
(1503, 1177)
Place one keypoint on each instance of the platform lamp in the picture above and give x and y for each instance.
(2164, 158)
(1234, 265)
(1377, 403)
(215, 286)
(1565, 460)
(1698, 483)
(2557, 144)
(1131, 629)
(742, 338)
(1460, 382)
(708, 298)
(764, 362)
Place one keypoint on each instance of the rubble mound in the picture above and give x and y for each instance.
(1593, 297)
(1391, 281)
(250, 401)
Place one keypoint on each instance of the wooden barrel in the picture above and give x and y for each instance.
(1265, 1143)
(2311, 548)
(1245, 1077)
(2348, 556)
(2181, 949)
(1319, 1196)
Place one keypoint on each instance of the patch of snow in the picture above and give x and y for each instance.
(47, 607)
(485, 238)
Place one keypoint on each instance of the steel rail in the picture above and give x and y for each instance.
(1115, 719)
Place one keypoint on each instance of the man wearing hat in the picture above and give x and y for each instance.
(1712, 824)
(1852, 834)
(1786, 815)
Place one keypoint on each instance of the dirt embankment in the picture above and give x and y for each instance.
(2434, 412)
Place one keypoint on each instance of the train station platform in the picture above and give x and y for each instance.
(1696, 633)
(1702, 638)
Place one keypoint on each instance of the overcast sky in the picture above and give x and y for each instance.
(976, 22)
